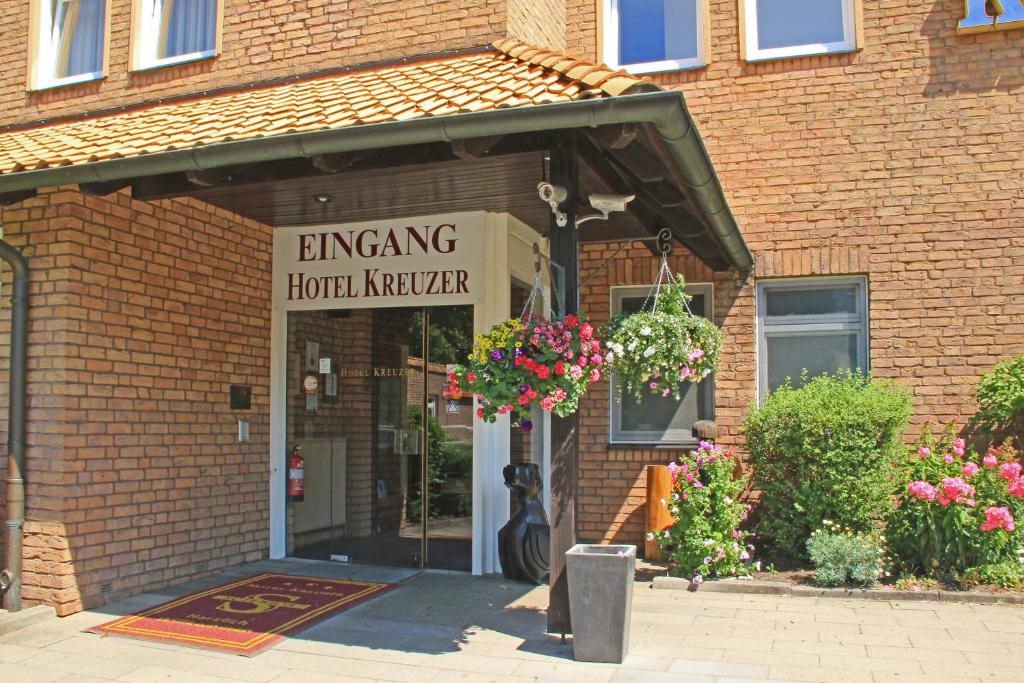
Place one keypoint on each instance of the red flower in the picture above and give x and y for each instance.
(453, 378)
(559, 367)
(519, 360)
(571, 321)
(531, 364)
(480, 413)
(531, 394)
(543, 371)
(470, 377)
(586, 331)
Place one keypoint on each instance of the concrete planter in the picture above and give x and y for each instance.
(600, 597)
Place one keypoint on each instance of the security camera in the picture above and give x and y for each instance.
(554, 195)
(607, 203)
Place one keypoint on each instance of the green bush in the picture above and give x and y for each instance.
(842, 556)
(1006, 574)
(1001, 401)
(827, 450)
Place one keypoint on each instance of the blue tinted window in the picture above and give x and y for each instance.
(786, 23)
(657, 30)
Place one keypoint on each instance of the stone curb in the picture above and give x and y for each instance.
(14, 621)
(778, 588)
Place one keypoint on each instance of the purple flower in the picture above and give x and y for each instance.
(497, 355)
(524, 388)
(517, 352)
(526, 425)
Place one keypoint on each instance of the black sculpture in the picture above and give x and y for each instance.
(524, 543)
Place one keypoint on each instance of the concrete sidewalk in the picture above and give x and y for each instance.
(452, 627)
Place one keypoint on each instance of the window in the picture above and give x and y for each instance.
(174, 31)
(774, 29)
(644, 36)
(654, 419)
(69, 42)
(815, 325)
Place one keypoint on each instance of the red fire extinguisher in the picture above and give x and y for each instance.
(296, 476)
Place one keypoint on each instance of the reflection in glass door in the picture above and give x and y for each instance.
(366, 446)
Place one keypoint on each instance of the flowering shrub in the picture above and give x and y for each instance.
(959, 511)
(705, 539)
(1001, 402)
(842, 556)
(654, 351)
(522, 362)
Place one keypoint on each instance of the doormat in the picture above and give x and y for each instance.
(247, 616)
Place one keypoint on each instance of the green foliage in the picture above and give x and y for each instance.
(1005, 574)
(845, 557)
(1001, 402)
(940, 526)
(448, 460)
(654, 351)
(827, 450)
(705, 539)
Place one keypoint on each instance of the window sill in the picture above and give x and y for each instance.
(658, 67)
(174, 61)
(69, 81)
(653, 445)
(796, 53)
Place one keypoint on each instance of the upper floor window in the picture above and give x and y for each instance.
(775, 29)
(69, 42)
(644, 36)
(174, 31)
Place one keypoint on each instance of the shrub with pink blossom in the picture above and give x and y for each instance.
(959, 511)
(706, 540)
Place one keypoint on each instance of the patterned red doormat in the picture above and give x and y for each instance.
(247, 616)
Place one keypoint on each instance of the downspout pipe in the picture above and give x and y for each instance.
(10, 583)
(664, 109)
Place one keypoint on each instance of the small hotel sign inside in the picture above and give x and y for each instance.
(424, 261)
(991, 15)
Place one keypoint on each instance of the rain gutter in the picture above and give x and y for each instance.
(665, 110)
(10, 579)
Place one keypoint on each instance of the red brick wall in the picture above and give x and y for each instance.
(901, 162)
(143, 314)
(270, 39)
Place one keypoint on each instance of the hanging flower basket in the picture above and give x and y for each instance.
(530, 360)
(654, 350)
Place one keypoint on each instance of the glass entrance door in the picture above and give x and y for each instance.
(387, 456)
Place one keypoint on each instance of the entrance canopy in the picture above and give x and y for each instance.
(438, 113)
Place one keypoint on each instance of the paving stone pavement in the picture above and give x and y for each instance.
(449, 627)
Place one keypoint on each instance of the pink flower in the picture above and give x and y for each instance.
(989, 460)
(575, 371)
(921, 490)
(998, 518)
(559, 394)
(955, 490)
(1009, 470)
(586, 331)
(547, 403)
(685, 373)
(595, 374)
(673, 469)
(736, 533)
(697, 579)
(947, 458)
(970, 469)
(596, 359)
(696, 354)
(1016, 488)
(924, 452)
(959, 444)
(653, 385)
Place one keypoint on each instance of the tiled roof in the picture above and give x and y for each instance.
(512, 74)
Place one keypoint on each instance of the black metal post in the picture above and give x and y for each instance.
(564, 431)
(11, 578)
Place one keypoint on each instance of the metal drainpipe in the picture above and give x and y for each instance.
(10, 579)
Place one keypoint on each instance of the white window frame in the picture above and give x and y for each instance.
(810, 325)
(616, 436)
(145, 38)
(748, 35)
(43, 50)
(609, 35)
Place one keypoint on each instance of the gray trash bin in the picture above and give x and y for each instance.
(600, 597)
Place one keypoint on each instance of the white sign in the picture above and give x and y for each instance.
(423, 261)
(325, 366)
(453, 407)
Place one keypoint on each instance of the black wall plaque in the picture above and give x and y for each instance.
(241, 397)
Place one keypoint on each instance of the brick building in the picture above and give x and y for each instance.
(157, 156)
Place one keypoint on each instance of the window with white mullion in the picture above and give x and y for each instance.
(647, 36)
(777, 29)
(70, 42)
(174, 31)
(809, 327)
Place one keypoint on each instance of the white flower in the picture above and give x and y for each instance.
(650, 535)
(666, 533)
(728, 501)
(663, 503)
(743, 556)
(645, 331)
(675, 496)
(707, 559)
(708, 542)
(650, 351)
(609, 357)
(633, 344)
(757, 566)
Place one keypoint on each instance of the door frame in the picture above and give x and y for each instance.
(507, 253)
